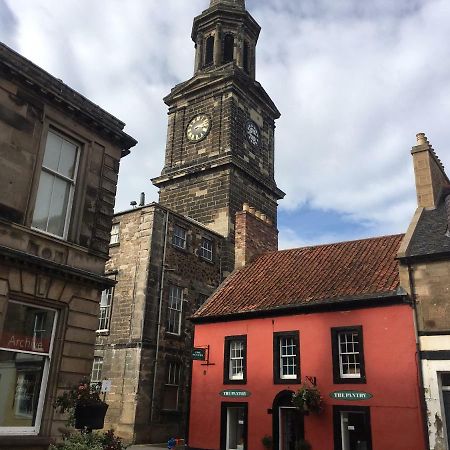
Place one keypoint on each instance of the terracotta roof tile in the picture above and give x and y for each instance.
(309, 275)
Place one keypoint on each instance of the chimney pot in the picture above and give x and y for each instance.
(142, 199)
(421, 139)
(245, 207)
(258, 214)
(252, 210)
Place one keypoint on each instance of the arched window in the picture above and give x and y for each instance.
(228, 48)
(209, 53)
(246, 57)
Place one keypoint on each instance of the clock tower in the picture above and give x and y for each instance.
(220, 140)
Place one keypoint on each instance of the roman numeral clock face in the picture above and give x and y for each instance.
(198, 128)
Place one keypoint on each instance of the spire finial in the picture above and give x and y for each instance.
(236, 3)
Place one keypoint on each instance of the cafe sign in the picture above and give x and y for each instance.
(350, 395)
(234, 393)
(198, 354)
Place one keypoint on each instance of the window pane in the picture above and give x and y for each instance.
(27, 328)
(58, 207)
(42, 206)
(349, 357)
(52, 151)
(68, 158)
(20, 385)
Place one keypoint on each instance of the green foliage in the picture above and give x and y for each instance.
(89, 441)
(308, 398)
(82, 394)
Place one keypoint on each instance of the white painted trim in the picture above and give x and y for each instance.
(434, 343)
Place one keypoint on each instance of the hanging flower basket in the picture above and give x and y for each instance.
(308, 399)
(91, 417)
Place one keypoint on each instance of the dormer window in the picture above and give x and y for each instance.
(209, 51)
(228, 48)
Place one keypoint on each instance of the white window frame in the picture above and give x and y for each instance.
(115, 234)
(179, 237)
(175, 309)
(357, 354)
(206, 251)
(97, 370)
(71, 182)
(106, 310)
(173, 379)
(237, 355)
(34, 430)
(288, 357)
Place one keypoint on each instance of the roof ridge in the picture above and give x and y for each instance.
(332, 244)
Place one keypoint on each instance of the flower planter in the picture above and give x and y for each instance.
(91, 417)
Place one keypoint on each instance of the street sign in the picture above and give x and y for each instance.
(106, 386)
(234, 393)
(350, 395)
(199, 354)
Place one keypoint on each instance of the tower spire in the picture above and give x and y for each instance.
(235, 3)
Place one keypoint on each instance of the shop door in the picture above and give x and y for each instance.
(352, 429)
(234, 426)
(291, 427)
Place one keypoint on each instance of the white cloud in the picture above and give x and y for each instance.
(354, 82)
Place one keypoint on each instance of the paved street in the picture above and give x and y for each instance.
(148, 447)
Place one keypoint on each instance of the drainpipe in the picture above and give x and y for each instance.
(161, 292)
(423, 405)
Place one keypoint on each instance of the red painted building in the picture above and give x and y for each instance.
(334, 314)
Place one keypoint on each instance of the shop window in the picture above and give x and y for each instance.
(105, 309)
(175, 309)
(172, 387)
(209, 51)
(25, 348)
(352, 430)
(234, 419)
(228, 48)
(179, 237)
(206, 249)
(115, 238)
(286, 357)
(235, 360)
(348, 355)
(56, 185)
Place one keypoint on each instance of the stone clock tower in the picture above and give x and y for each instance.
(220, 140)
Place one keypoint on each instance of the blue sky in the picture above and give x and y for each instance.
(354, 81)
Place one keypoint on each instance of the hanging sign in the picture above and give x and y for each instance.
(234, 393)
(199, 354)
(350, 395)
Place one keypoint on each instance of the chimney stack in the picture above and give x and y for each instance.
(254, 235)
(429, 173)
(142, 199)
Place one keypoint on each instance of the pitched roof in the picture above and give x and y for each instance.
(431, 235)
(323, 274)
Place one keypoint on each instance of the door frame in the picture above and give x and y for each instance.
(224, 422)
(337, 409)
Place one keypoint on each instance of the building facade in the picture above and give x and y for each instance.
(425, 271)
(221, 130)
(332, 316)
(59, 161)
(219, 155)
(165, 266)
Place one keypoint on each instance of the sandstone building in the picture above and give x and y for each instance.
(425, 273)
(59, 160)
(168, 257)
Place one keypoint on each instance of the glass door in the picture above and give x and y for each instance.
(234, 426)
(352, 428)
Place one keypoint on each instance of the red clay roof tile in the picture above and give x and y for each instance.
(309, 275)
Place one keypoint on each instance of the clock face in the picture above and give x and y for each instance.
(252, 133)
(198, 128)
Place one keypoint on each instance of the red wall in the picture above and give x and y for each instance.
(389, 354)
